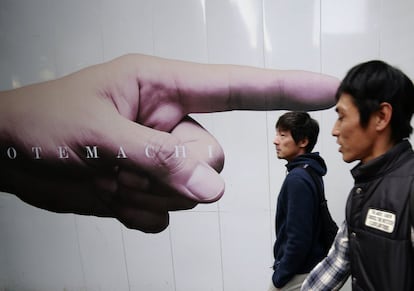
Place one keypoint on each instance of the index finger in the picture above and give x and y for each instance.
(203, 88)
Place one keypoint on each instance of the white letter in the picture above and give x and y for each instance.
(11, 153)
(91, 153)
(63, 152)
(37, 151)
(121, 154)
(147, 151)
(177, 151)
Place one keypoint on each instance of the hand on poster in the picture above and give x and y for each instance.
(116, 139)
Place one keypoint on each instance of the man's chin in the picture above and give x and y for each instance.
(347, 159)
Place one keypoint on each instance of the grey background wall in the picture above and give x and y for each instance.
(221, 246)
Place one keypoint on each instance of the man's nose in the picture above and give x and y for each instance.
(335, 130)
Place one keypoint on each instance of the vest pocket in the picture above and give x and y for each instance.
(380, 263)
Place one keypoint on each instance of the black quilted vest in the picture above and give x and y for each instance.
(379, 226)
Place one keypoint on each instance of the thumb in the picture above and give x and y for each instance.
(157, 154)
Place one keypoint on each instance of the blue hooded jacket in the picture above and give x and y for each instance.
(297, 249)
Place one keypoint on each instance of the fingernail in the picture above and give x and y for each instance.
(205, 184)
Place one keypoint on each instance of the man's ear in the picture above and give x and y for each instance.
(303, 143)
(383, 116)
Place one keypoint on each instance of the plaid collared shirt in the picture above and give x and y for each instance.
(332, 272)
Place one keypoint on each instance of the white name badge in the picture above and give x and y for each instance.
(381, 220)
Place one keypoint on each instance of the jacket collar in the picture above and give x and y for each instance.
(383, 164)
(314, 160)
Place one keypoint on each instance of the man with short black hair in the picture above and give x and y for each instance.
(375, 103)
(297, 248)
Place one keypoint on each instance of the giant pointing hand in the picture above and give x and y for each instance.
(116, 139)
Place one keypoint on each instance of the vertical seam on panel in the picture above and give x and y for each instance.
(218, 203)
(263, 38)
(221, 246)
(206, 31)
(379, 28)
(103, 57)
(321, 63)
(172, 259)
(79, 250)
(125, 257)
(320, 37)
(152, 27)
(269, 190)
